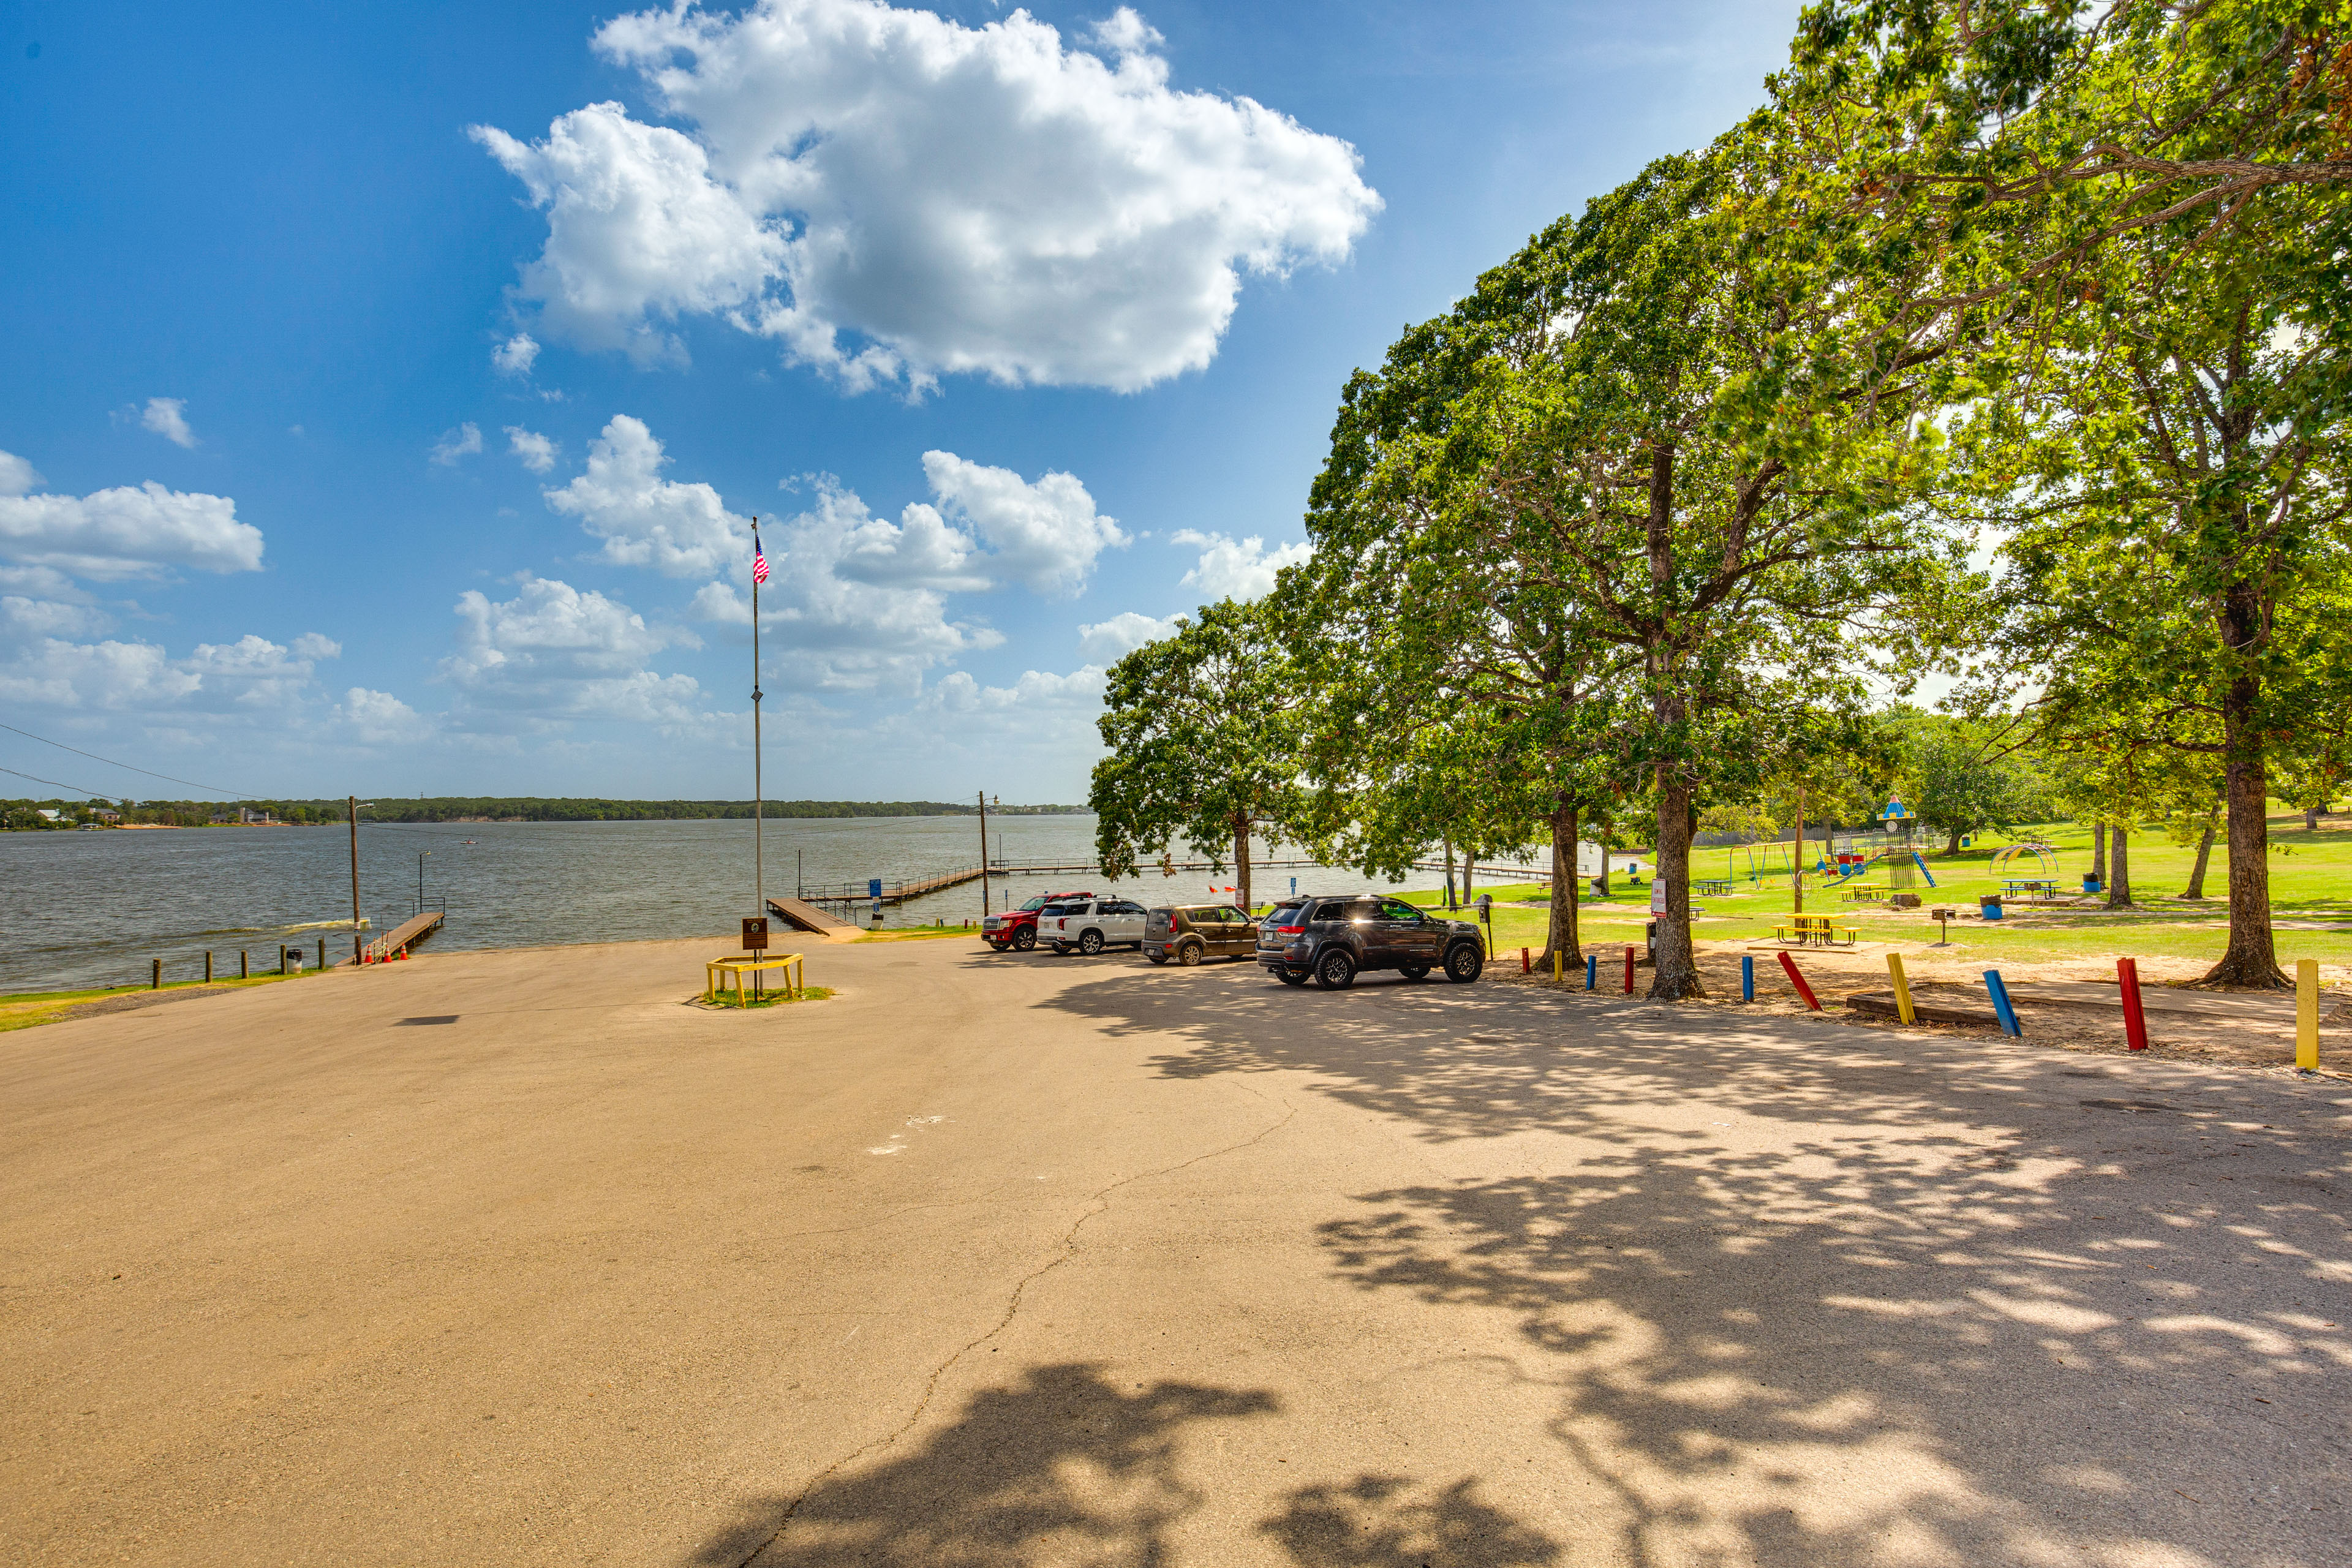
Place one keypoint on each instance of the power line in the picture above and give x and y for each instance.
(109, 762)
(38, 779)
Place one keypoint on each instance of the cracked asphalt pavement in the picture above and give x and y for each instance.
(520, 1257)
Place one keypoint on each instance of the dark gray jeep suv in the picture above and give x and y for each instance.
(1336, 939)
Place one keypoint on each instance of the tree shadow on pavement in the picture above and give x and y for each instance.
(1064, 1466)
(1830, 1297)
(1386, 1521)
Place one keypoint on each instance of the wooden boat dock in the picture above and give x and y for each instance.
(802, 915)
(407, 933)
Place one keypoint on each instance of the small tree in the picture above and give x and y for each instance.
(1200, 744)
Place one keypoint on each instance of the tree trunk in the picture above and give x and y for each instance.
(2119, 889)
(1469, 865)
(1676, 975)
(1561, 937)
(2099, 852)
(1952, 847)
(2251, 960)
(2311, 819)
(1449, 874)
(1604, 863)
(1242, 855)
(2196, 889)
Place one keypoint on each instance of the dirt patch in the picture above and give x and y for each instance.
(1835, 975)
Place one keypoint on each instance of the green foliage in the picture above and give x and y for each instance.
(1201, 743)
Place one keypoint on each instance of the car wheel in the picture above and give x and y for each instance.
(1287, 978)
(1027, 938)
(1335, 971)
(1090, 942)
(1188, 954)
(1464, 964)
(1415, 971)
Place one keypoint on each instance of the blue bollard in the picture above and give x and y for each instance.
(2000, 1003)
(1591, 970)
(1748, 977)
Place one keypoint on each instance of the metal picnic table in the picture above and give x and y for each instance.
(2039, 887)
(715, 972)
(1720, 886)
(1816, 931)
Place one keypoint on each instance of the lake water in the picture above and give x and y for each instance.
(92, 909)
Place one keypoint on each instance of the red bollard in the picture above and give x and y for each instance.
(1798, 982)
(1523, 961)
(2135, 1020)
(1629, 972)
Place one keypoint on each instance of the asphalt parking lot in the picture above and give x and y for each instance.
(1015, 1259)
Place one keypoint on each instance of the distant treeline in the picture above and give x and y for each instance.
(23, 814)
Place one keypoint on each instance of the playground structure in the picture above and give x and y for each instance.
(2041, 881)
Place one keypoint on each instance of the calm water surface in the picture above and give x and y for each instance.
(92, 909)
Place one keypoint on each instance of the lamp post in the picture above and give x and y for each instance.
(420, 880)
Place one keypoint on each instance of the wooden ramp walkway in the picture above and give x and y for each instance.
(807, 917)
(405, 934)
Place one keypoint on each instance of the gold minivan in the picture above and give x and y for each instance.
(1190, 932)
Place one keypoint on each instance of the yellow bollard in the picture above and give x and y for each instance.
(2306, 1011)
(1558, 964)
(1903, 1007)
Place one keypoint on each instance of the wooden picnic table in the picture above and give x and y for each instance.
(1865, 893)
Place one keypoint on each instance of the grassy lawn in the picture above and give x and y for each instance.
(2310, 880)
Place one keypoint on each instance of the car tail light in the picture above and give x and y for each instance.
(1290, 931)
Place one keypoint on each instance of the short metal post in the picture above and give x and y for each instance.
(208, 966)
(1558, 966)
(1903, 1008)
(322, 953)
(1798, 980)
(2134, 1016)
(1523, 962)
(155, 975)
(1748, 977)
(1593, 972)
(244, 964)
(2002, 1007)
(2306, 1012)
(1629, 972)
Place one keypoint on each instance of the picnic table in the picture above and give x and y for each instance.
(2039, 887)
(716, 972)
(1864, 893)
(1816, 931)
(1719, 885)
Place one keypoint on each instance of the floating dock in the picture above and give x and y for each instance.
(405, 934)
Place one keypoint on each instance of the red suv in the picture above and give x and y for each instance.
(1018, 928)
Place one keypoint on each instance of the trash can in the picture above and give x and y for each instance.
(2090, 882)
(1989, 906)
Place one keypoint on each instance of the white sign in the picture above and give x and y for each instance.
(1658, 897)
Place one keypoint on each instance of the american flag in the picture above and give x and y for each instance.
(759, 561)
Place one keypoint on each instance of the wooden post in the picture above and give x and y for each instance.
(352, 804)
(2002, 1007)
(1629, 972)
(2306, 1012)
(322, 952)
(155, 975)
(208, 966)
(2135, 1017)
(244, 964)
(983, 853)
(1903, 1008)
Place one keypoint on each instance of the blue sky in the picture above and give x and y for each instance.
(385, 391)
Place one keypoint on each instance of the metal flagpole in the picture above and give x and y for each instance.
(758, 794)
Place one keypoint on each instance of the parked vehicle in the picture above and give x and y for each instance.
(1090, 925)
(1190, 932)
(1336, 939)
(1018, 928)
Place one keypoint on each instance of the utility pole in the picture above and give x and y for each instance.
(357, 945)
(983, 853)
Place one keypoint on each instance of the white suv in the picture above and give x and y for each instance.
(1090, 925)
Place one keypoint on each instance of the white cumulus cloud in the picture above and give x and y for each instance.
(315, 645)
(463, 442)
(379, 718)
(1243, 569)
(895, 197)
(1045, 534)
(536, 452)
(513, 357)
(644, 520)
(1123, 634)
(120, 532)
(554, 652)
(168, 418)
